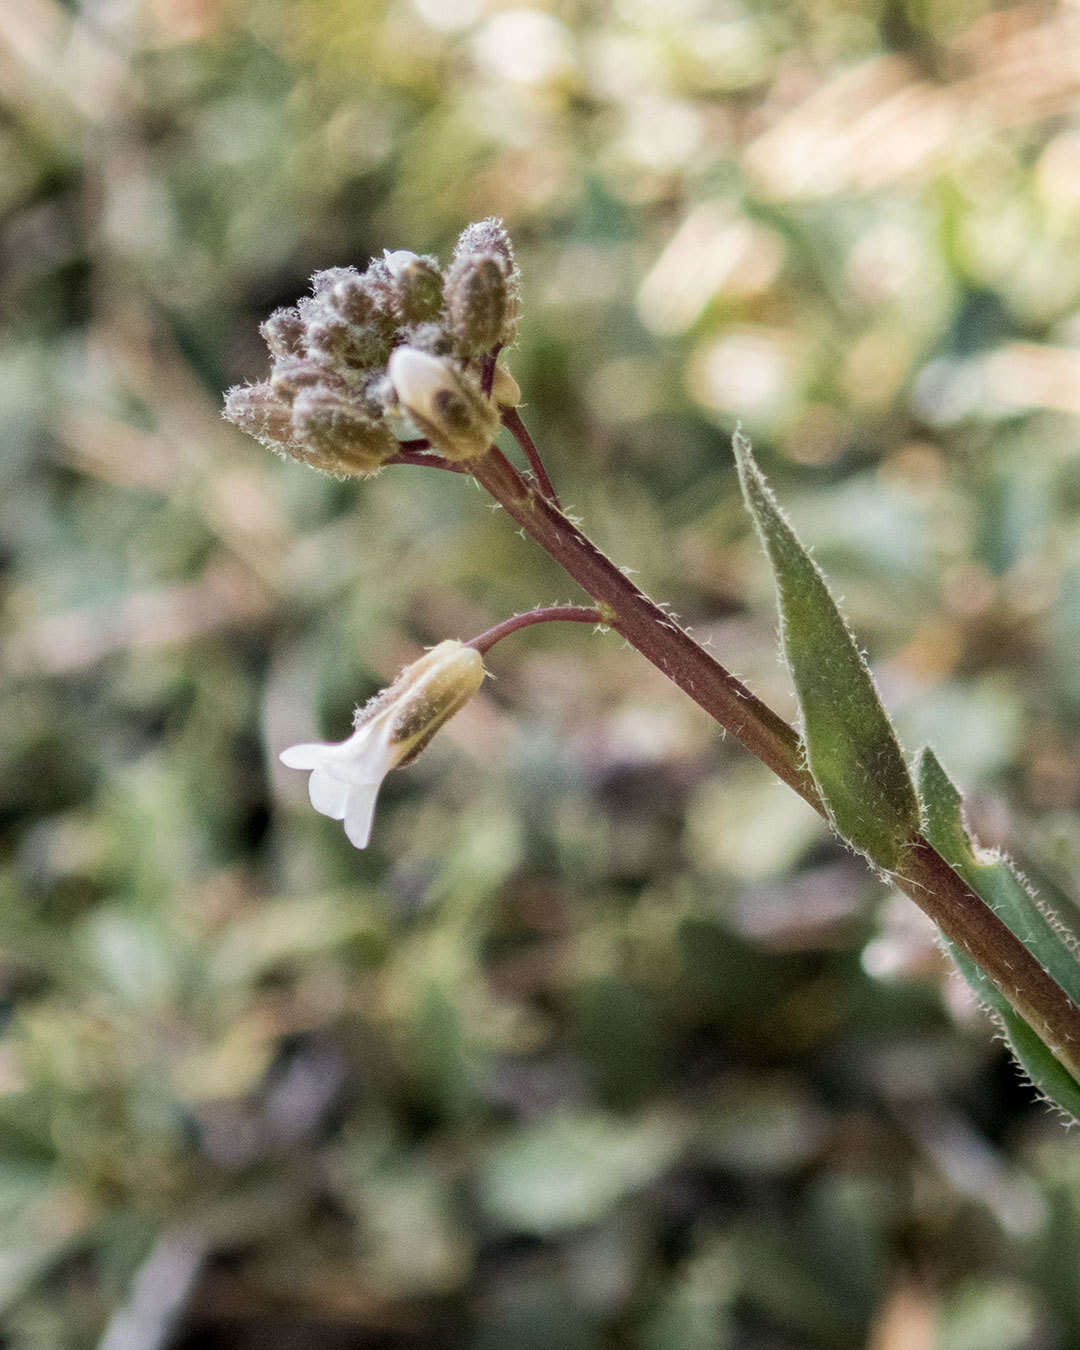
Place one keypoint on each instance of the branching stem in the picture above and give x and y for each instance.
(922, 874)
(516, 427)
(550, 614)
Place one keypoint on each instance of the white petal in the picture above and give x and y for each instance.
(398, 260)
(368, 755)
(418, 377)
(328, 794)
(360, 812)
(308, 756)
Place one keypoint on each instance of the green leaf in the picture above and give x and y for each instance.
(851, 749)
(445, 1062)
(41, 1223)
(993, 879)
(573, 1168)
(618, 1039)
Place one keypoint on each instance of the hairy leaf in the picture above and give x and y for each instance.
(851, 748)
(994, 880)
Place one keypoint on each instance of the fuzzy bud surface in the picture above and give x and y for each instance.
(444, 402)
(364, 347)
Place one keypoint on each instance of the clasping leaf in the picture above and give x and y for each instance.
(993, 879)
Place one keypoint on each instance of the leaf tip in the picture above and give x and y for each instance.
(941, 807)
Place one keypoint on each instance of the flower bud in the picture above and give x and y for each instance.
(331, 277)
(390, 730)
(283, 332)
(380, 281)
(480, 311)
(446, 405)
(353, 299)
(291, 374)
(398, 260)
(482, 288)
(488, 237)
(338, 435)
(261, 412)
(345, 345)
(418, 284)
(428, 337)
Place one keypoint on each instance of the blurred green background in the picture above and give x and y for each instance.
(604, 1044)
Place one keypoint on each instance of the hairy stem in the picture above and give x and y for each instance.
(487, 369)
(648, 628)
(517, 428)
(967, 920)
(550, 614)
(923, 874)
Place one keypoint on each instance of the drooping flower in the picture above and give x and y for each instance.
(390, 730)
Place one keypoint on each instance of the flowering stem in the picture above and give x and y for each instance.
(516, 427)
(922, 873)
(647, 627)
(551, 614)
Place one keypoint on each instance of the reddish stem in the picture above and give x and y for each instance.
(425, 458)
(648, 628)
(922, 874)
(550, 614)
(516, 427)
(487, 370)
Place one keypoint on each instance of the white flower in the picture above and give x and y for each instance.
(345, 778)
(391, 730)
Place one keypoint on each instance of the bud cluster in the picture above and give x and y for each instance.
(369, 353)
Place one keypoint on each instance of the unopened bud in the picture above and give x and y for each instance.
(482, 288)
(380, 281)
(291, 374)
(283, 332)
(428, 337)
(259, 411)
(484, 237)
(445, 404)
(480, 308)
(337, 435)
(419, 286)
(356, 319)
(391, 730)
(329, 277)
(353, 300)
(399, 260)
(345, 345)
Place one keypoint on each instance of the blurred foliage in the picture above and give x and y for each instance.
(604, 1043)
